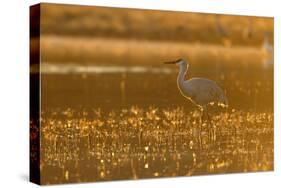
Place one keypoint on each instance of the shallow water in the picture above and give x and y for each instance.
(117, 86)
(131, 125)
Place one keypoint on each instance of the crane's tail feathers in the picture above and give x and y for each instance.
(224, 103)
(220, 104)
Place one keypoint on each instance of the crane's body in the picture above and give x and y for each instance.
(200, 91)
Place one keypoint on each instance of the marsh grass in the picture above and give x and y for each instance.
(136, 142)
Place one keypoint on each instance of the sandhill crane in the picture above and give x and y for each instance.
(200, 91)
(268, 51)
(222, 31)
(248, 31)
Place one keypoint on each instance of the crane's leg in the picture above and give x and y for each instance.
(200, 129)
(210, 131)
(208, 124)
(210, 128)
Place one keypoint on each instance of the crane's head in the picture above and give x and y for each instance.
(179, 62)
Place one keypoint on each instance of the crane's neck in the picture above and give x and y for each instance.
(181, 75)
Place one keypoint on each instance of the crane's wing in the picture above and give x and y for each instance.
(216, 95)
(203, 92)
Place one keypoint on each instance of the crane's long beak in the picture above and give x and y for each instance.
(170, 62)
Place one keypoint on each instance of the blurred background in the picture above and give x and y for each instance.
(235, 51)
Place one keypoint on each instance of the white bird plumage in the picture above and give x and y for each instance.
(201, 91)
